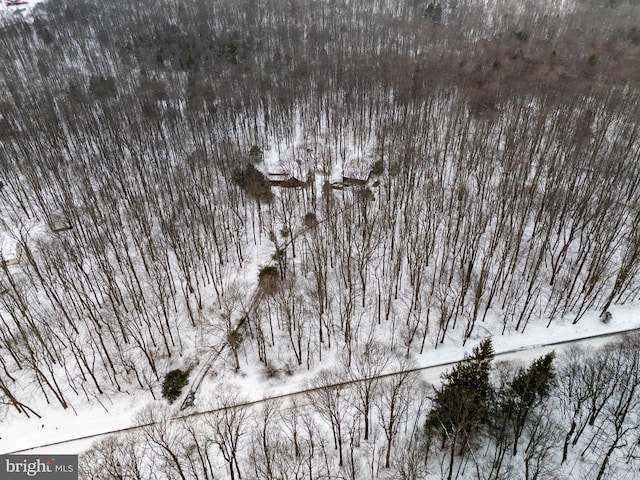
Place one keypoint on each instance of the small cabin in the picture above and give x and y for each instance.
(285, 180)
(353, 180)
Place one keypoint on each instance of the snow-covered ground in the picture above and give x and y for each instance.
(114, 411)
(56, 426)
(7, 247)
(117, 412)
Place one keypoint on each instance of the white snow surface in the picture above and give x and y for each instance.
(7, 247)
(115, 413)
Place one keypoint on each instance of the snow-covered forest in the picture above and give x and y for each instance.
(334, 187)
(487, 421)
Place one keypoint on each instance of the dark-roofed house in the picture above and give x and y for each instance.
(283, 179)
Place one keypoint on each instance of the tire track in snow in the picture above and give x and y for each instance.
(190, 396)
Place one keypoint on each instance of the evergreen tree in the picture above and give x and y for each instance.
(528, 389)
(462, 403)
(173, 384)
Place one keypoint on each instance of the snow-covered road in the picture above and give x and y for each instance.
(522, 351)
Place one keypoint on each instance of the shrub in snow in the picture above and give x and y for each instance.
(173, 384)
(310, 220)
(606, 316)
(254, 183)
(268, 278)
(256, 154)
